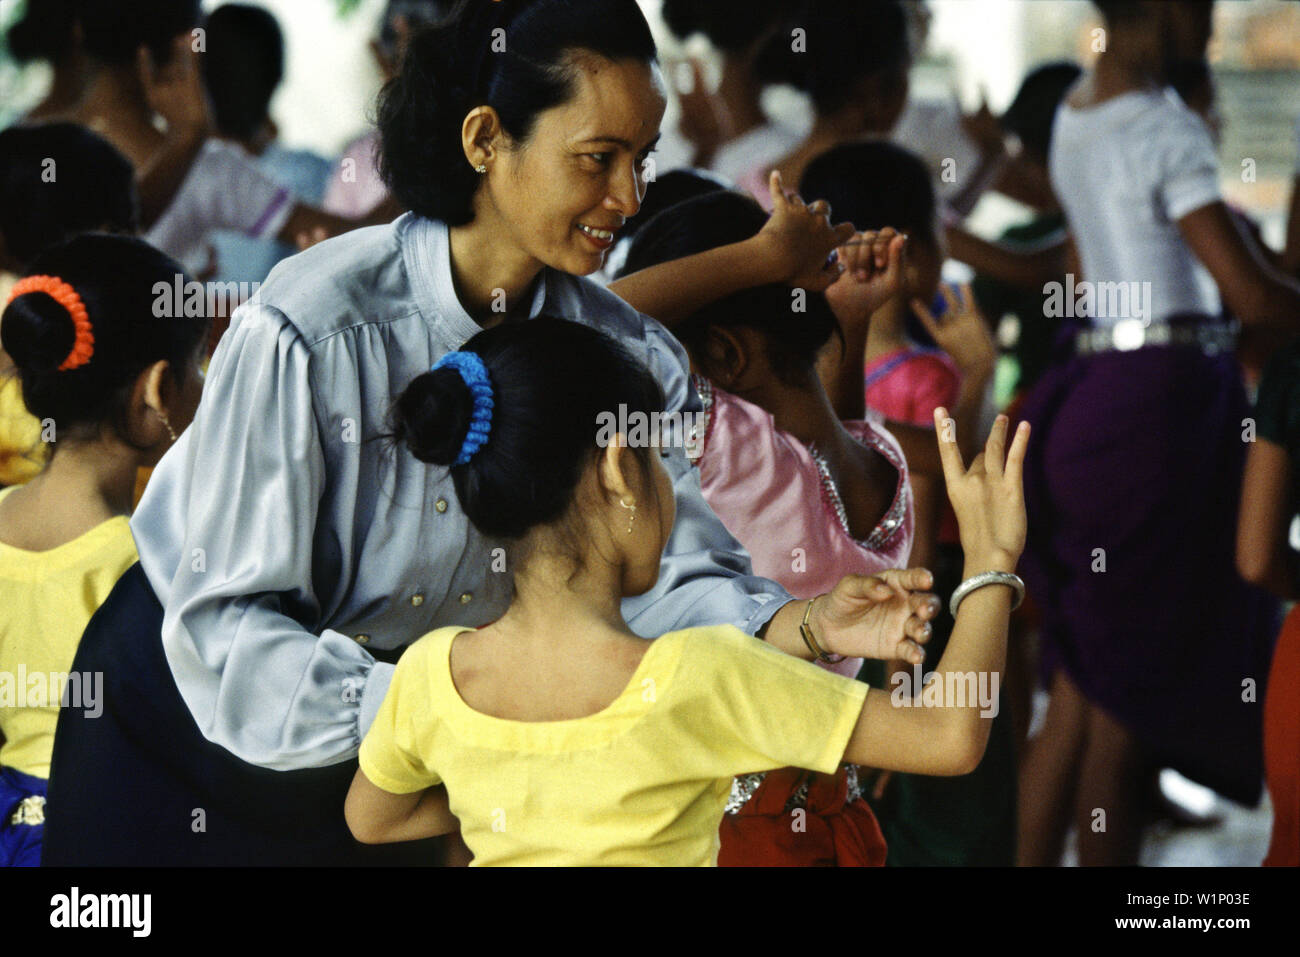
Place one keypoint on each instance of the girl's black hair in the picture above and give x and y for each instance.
(115, 278)
(512, 55)
(733, 26)
(113, 30)
(58, 180)
(843, 43)
(552, 380)
(669, 189)
(792, 339)
(1032, 112)
(873, 184)
(45, 32)
(242, 65)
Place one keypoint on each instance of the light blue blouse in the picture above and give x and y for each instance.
(284, 536)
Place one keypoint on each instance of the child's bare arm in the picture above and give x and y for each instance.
(376, 816)
(948, 736)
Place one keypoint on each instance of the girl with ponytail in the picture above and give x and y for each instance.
(111, 385)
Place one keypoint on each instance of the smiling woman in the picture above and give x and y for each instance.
(286, 558)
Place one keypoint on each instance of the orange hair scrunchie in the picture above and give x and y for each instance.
(62, 293)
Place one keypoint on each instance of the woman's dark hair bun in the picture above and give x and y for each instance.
(432, 416)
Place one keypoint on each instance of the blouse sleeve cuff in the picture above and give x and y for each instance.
(372, 696)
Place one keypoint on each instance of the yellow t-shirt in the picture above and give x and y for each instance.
(22, 453)
(644, 781)
(46, 600)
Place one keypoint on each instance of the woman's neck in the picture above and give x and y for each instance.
(485, 265)
(114, 107)
(1124, 68)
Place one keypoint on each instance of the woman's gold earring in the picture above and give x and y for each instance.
(631, 518)
(168, 425)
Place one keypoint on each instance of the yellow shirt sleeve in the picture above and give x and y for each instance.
(390, 754)
(767, 709)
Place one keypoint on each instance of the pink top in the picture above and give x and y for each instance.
(907, 385)
(776, 495)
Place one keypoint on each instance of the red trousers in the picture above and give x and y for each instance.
(825, 833)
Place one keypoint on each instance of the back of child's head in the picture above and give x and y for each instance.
(792, 339)
(45, 32)
(243, 63)
(59, 180)
(874, 184)
(114, 30)
(1032, 112)
(669, 189)
(732, 26)
(828, 48)
(551, 381)
(83, 382)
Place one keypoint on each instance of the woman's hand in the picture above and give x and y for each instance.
(961, 331)
(874, 265)
(798, 240)
(885, 616)
(989, 497)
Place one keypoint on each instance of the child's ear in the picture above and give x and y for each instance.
(612, 470)
(154, 393)
(725, 356)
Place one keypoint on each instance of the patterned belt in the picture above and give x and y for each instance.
(743, 788)
(30, 810)
(1211, 337)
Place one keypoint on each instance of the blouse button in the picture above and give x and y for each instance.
(441, 505)
(362, 639)
(417, 600)
(466, 598)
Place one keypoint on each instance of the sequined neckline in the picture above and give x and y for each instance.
(891, 524)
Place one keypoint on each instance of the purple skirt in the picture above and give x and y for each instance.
(1132, 484)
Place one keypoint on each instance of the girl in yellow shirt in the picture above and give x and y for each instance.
(114, 383)
(556, 735)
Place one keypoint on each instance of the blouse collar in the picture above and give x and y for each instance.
(426, 244)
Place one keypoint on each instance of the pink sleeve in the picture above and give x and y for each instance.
(933, 381)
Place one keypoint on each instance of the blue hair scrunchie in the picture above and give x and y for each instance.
(474, 372)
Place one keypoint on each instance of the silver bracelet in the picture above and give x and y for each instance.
(987, 578)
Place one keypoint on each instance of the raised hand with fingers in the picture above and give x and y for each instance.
(874, 272)
(800, 239)
(960, 330)
(988, 498)
(885, 616)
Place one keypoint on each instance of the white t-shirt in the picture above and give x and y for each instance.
(1125, 172)
(224, 189)
(760, 147)
(932, 129)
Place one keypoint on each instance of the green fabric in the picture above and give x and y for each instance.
(1033, 348)
(951, 821)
